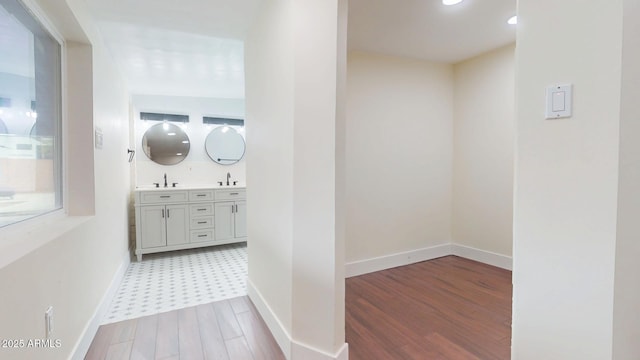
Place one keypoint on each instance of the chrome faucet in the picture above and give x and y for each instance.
(228, 177)
(165, 180)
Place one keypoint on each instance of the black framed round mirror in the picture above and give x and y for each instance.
(225, 145)
(166, 144)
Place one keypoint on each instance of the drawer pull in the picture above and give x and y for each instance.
(202, 222)
(202, 209)
(233, 193)
(165, 196)
(202, 235)
(201, 195)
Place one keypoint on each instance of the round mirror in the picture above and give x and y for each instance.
(225, 145)
(165, 144)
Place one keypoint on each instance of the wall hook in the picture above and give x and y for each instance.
(131, 153)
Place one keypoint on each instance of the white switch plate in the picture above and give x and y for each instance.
(559, 101)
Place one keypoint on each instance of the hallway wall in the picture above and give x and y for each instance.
(75, 268)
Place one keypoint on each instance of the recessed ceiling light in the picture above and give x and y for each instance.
(451, 2)
(513, 20)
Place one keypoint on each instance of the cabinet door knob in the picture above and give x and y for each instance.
(162, 212)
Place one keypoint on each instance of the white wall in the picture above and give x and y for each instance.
(295, 261)
(269, 107)
(399, 139)
(483, 151)
(197, 168)
(566, 185)
(626, 317)
(73, 271)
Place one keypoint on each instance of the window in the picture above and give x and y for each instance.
(30, 111)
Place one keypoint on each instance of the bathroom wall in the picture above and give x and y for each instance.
(399, 139)
(483, 151)
(82, 254)
(197, 168)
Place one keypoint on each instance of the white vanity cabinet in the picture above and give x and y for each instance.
(231, 214)
(163, 225)
(168, 219)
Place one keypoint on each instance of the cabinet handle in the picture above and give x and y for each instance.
(202, 235)
(165, 196)
(201, 195)
(202, 209)
(202, 222)
(163, 213)
(233, 193)
(167, 213)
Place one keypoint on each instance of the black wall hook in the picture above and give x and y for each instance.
(131, 153)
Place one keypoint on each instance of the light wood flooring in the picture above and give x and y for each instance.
(447, 308)
(229, 329)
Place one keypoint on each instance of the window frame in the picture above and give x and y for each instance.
(20, 238)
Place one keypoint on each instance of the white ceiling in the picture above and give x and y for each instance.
(194, 47)
(426, 29)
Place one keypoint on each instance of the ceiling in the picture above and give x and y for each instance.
(195, 48)
(426, 29)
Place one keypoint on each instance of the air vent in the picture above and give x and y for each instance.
(164, 117)
(222, 121)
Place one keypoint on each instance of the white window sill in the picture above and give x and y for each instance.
(20, 239)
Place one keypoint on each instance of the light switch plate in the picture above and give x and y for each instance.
(559, 101)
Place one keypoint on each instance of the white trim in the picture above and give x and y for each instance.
(483, 256)
(292, 349)
(306, 352)
(18, 240)
(82, 346)
(273, 323)
(361, 267)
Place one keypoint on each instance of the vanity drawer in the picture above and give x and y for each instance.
(201, 209)
(157, 197)
(230, 194)
(201, 195)
(203, 222)
(202, 235)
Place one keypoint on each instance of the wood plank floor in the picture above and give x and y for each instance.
(229, 329)
(446, 308)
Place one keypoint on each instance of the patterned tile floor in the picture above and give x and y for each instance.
(168, 281)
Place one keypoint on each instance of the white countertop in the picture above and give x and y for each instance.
(189, 187)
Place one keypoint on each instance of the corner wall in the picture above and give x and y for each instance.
(293, 73)
(483, 151)
(399, 140)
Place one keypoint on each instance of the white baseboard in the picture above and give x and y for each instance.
(278, 331)
(394, 260)
(82, 346)
(293, 350)
(483, 256)
(362, 267)
(301, 351)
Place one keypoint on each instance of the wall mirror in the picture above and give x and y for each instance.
(166, 144)
(225, 145)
